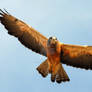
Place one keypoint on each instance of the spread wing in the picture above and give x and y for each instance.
(25, 34)
(77, 56)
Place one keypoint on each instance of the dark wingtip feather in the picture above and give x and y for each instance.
(4, 12)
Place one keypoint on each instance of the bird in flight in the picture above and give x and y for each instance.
(57, 53)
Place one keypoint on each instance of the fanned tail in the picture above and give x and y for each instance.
(58, 74)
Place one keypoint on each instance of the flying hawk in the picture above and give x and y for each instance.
(56, 52)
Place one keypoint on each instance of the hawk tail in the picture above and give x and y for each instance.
(43, 68)
(59, 74)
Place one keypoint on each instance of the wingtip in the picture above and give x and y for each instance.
(1, 12)
(4, 11)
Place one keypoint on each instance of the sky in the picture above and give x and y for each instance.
(69, 20)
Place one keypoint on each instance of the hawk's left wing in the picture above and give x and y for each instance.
(77, 56)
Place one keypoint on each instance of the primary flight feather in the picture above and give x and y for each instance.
(56, 52)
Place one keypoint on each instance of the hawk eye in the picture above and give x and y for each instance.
(50, 38)
(53, 38)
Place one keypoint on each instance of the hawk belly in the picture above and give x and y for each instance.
(53, 55)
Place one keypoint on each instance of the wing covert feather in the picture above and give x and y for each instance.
(28, 36)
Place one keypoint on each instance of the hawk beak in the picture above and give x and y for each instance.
(53, 43)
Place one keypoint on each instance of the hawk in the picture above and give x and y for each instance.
(56, 52)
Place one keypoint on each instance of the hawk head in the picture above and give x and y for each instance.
(52, 41)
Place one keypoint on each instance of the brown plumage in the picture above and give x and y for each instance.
(56, 52)
(77, 56)
(25, 34)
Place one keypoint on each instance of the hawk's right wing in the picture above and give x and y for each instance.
(26, 35)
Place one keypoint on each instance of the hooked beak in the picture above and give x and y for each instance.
(52, 43)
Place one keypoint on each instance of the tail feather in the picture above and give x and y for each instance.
(53, 77)
(43, 68)
(60, 75)
(57, 72)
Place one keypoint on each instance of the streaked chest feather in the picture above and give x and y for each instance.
(53, 54)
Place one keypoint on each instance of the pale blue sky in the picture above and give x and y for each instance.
(69, 20)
